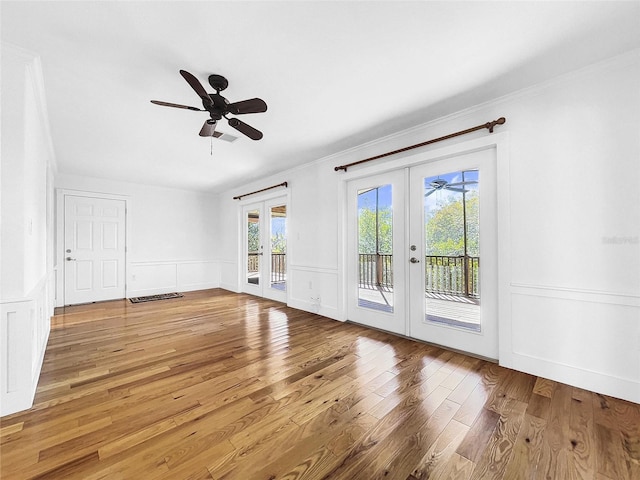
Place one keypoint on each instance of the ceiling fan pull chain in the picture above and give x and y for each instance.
(212, 145)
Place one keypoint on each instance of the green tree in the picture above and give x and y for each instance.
(445, 228)
(253, 236)
(367, 231)
(278, 243)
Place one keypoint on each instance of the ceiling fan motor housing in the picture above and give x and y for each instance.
(219, 106)
(218, 82)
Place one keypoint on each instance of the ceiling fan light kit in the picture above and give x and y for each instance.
(219, 107)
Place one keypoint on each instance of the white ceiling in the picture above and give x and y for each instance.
(335, 74)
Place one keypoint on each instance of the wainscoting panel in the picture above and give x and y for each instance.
(151, 278)
(198, 275)
(24, 331)
(587, 339)
(229, 276)
(314, 290)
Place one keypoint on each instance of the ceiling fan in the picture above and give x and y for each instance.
(440, 184)
(219, 107)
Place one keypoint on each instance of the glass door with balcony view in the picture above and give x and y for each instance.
(265, 249)
(422, 257)
(376, 233)
(453, 275)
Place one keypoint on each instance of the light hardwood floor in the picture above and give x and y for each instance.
(227, 386)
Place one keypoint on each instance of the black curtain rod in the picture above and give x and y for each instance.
(283, 184)
(489, 125)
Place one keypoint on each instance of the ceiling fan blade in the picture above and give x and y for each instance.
(208, 129)
(461, 190)
(466, 182)
(430, 192)
(248, 130)
(197, 86)
(253, 105)
(175, 105)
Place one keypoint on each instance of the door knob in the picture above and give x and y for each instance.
(414, 260)
(69, 259)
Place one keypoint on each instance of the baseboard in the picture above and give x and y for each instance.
(230, 286)
(329, 312)
(588, 380)
(180, 288)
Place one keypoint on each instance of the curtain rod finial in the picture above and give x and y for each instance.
(491, 125)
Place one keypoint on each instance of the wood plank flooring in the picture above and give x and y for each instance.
(217, 385)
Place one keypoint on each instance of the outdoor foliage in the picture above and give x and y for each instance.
(278, 240)
(445, 230)
(253, 235)
(367, 231)
(278, 243)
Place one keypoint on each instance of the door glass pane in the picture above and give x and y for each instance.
(375, 248)
(278, 250)
(452, 250)
(253, 247)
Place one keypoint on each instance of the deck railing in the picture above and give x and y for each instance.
(376, 270)
(278, 265)
(253, 262)
(450, 275)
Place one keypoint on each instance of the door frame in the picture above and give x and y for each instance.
(264, 199)
(499, 141)
(59, 253)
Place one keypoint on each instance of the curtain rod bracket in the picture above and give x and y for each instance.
(489, 125)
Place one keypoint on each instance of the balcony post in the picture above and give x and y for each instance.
(378, 269)
(466, 275)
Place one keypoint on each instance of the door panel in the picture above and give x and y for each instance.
(453, 297)
(265, 249)
(376, 249)
(276, 261)
(94, 249)
(253, 249)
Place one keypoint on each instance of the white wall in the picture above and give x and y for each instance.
(313, 243)
(570, 298)
(171, 235)
(26, 260)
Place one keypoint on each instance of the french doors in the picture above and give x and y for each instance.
(422, 258)
(264, 264)
(94, 255)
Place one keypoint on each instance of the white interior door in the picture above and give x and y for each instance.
(94, 243)
(265, 249)
(377, 251)
(453, 296)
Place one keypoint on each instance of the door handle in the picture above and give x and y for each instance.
(69, 259)
(414, 260)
